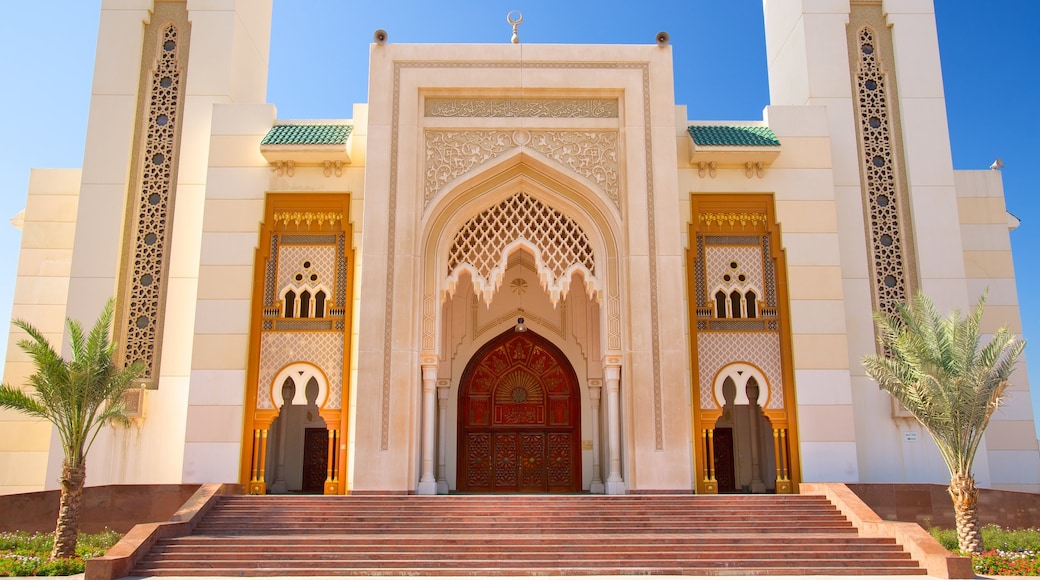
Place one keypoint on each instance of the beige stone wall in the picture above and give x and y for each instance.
(808, 52)
(237, 178)
(1010, 459)
(44, 262)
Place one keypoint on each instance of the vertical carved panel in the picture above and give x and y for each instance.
(153, 202)
(478, 460)
(532, 461)
(506, 460)
(559, 456)
(879, 174)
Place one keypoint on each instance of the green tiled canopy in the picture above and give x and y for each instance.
(733, 136)
(307, 135)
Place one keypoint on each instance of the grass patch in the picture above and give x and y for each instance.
(1009, 552)
(25, 554)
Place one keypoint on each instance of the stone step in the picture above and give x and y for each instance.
(524, 535)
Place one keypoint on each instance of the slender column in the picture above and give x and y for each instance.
(428, 482)
(331, 487)
(778, 455)
(256, 485)
(443, 390)
(595, 388)
(260, 486)
(615, 484)
(710, 440)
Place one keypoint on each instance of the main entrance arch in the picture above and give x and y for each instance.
(519, 418)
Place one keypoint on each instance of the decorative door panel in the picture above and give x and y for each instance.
(519, 420)
(506, 461)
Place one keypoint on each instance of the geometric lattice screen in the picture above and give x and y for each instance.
(878, 163)
(153, 202)
(482, 246)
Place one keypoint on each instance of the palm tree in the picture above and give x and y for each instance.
(936, 369)
(78, 397)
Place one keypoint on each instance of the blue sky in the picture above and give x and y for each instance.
(319, 62)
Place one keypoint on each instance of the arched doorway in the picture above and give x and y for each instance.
(519, 418)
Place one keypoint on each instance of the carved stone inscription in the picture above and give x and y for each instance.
(556, 108)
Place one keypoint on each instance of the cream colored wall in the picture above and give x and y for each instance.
(1011, 460)
(237, 178)
(807, 52)
(44, 260)
(227, 62)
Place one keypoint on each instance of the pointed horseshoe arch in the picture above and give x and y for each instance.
(588, 213)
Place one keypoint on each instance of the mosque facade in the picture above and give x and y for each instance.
(520, 268)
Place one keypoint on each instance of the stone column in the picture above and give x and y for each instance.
(427, 481)
(443, 390)
(612, 375)
(595, 388)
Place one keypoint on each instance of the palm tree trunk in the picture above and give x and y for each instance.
(66, 532)
(966, 511)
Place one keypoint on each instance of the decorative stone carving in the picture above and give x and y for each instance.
(878, 162)
(482, 244)
(153, 202)
(450, 154)
(522, 107)
(591, 154)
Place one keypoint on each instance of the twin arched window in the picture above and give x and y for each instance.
(304, 304)
(736, 304)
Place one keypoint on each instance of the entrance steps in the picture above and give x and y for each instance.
(516, 535)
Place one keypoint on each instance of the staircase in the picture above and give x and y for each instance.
(522, 536)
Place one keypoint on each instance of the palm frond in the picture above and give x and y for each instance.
(81, 395)
(936, 369)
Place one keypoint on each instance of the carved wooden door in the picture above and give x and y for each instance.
(519, 418)
(724, 464)
(315, 459)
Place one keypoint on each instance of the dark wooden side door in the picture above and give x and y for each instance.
(315, 459)
(724, 463)
(519, 418)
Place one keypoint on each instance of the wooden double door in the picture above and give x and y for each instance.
(519, 419)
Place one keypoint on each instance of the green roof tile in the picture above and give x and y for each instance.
(307, 135)
(733, 136)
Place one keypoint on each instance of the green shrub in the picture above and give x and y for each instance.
(24, 554)
(1010, 552)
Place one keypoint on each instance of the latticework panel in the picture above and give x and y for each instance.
(280, 349)
(483, 243)
(890, 287)
(153, 203)
(306, 267)
(734, 267)
(716, 350)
